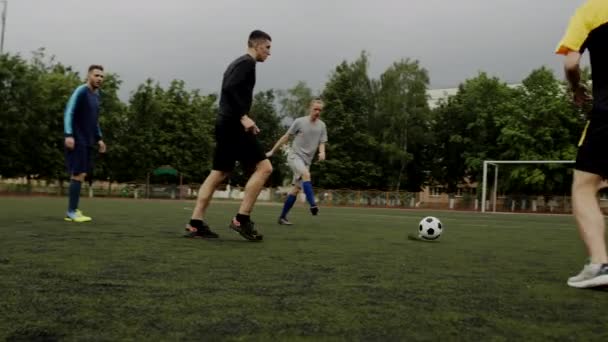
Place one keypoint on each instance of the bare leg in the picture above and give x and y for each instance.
(295, 190)
(254, 186)
(306, 176)
(589, 217)
(206, 191)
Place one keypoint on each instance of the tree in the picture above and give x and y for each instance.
(352, 150)
(402, 123)
(33, 96)
(466, 128)
(382, 134)
(542, 125)
(295, 101)
(172, 127)
(16, 82)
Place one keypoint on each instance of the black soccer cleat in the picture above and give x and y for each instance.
(205, 232)
(246, 230)
(314, 210)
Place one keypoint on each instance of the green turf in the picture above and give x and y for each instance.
(348, 274)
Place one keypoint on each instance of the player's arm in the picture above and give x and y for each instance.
(322, 151)
(68, 119)
(572, 46)
(99, 139)
(249, 124)
(572, 68)
(293, 129)
(573, 75)
(322, 144)
(284, 139)
(98, 135)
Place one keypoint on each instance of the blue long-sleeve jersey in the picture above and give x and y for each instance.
(81, 116)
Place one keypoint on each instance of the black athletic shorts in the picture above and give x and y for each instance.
(592, 153)
(233, 144)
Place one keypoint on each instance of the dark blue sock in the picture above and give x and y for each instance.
(289, 202)
(310, 196)
(74, 194)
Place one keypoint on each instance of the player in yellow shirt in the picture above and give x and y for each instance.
(588, 31)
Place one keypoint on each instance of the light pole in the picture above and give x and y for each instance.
(5, 3)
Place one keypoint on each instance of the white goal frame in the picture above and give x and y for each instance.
(495, 163)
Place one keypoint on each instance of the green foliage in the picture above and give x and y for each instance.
(466, 129)
(382, 133)
(402, 122)
(352, 149)
(165, 127)
(294, 101)
(33, 95)
(541, 126)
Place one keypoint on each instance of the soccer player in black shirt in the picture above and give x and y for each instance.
(236, 140)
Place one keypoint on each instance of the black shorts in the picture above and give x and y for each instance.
(592, 153)
(80, 159)
(233, 144)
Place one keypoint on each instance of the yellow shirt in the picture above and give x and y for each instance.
(588, 17)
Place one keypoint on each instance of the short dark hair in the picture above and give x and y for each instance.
(257, 35)
(95, 67)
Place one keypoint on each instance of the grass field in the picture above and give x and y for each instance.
(348, 274)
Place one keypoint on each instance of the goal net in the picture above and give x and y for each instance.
(526, 186)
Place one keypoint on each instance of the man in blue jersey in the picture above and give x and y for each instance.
(82, 136)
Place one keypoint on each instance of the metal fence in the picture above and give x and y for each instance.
(325, 197)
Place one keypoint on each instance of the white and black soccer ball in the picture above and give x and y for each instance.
(430, 228)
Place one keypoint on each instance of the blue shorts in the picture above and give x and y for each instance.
(79, 160)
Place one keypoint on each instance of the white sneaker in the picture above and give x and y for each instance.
(592, 275)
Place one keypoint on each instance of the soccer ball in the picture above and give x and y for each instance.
(430, 228)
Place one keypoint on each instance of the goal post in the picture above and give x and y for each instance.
(495, 163)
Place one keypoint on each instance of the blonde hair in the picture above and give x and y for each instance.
(319, 101)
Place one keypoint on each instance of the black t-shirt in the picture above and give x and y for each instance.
(237, 91)
(597, 44)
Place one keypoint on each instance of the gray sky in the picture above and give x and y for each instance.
(194, 40)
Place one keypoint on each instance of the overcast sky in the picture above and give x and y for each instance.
(194, 40)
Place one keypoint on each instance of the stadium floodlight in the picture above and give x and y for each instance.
(495, 163)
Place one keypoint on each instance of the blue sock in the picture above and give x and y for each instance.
(289, 202)
(74, 195)
(310, 196)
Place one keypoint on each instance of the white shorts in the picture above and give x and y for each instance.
(298, 167)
